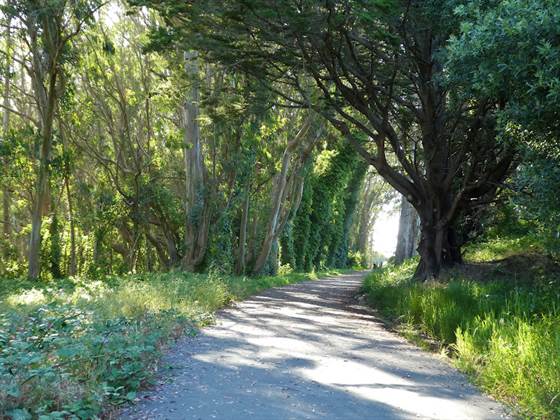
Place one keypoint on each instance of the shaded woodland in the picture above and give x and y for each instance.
(160, 159)
(237, 135)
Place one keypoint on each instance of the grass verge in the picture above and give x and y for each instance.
(498, 318)
(77, 348)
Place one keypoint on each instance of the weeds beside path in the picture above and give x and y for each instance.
(80, 347)
(498, 317)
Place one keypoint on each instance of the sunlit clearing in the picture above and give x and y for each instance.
(30, 297)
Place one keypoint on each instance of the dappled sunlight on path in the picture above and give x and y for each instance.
(308, 351)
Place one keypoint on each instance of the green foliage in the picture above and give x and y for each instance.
(321, 227)
(61, 360)
(499, 248)
(77, 347)
(538, 206)
(357, 260)
(504, 332)
(55, 249)
(516, 358)
(509, 49)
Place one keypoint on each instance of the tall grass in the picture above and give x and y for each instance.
(505, 334)
(76, 348)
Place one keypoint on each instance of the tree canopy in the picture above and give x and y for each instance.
(375, 71)
(237, 135)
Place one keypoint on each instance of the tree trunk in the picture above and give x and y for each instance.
(72, 265)
(41, 198)
(408, 231)
(272, 228)
(437, 248)
(42, 189)
(161, 251)
(197, 208)
(7, 224)
(45, 48)
(429, 266)
(364, 227)
(279, 198)
(241, 257)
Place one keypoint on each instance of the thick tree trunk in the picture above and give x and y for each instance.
(429, 266)
(43, 176)
(408, 232)
(437, 248)
(197, 209)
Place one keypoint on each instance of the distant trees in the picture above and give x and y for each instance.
(373, 195)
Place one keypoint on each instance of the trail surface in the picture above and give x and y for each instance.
(308, 351)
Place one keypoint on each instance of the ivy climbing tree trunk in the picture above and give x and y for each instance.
(281, 197)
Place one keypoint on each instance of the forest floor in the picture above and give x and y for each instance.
(307, 351)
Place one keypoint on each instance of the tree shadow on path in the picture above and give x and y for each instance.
(307, 351)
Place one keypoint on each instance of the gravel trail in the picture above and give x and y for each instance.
(308, 351)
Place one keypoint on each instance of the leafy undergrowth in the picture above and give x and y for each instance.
(78, 348)
(498, 317)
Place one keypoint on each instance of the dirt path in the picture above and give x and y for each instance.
(308, 351)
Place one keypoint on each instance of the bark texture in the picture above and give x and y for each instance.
(197, 221)
(44, 77)
(408, 232)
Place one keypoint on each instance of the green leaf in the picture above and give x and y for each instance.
(19, 414)
(69, 351)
